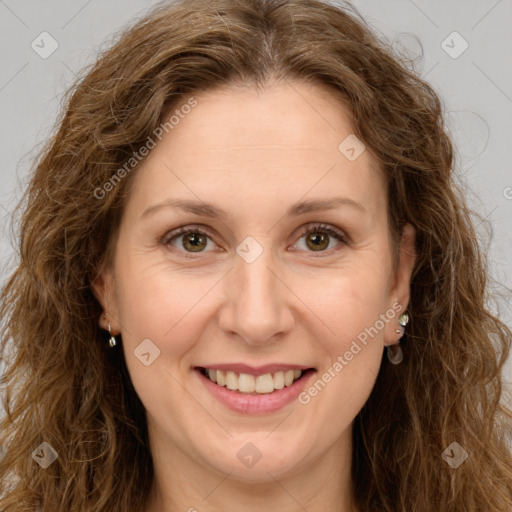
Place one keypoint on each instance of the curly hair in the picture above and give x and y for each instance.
(64, 388)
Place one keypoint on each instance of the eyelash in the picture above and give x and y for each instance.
(315, 228)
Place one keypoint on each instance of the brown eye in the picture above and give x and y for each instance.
(317, 241)
(318, 237)
(194, 242)
(192, 239)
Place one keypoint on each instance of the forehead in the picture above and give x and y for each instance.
(283, 143)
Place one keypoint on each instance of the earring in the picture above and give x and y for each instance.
(112, 340)
(403, 320)
(395, 354)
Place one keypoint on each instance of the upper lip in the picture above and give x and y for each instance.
(255, 370)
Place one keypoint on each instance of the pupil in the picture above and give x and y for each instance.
(318, 240)
(195, 241)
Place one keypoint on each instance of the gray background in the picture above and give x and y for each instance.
(476, 87)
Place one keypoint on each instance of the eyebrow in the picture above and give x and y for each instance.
(210, 210)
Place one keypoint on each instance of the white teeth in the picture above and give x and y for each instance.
(231, 381)
(264, 383)
(288, 377)
(246, 383)
(279, 380)
(221, 378)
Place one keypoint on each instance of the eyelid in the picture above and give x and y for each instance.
(173, 233)
(321, 227)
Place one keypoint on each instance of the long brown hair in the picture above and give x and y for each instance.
(64, 388)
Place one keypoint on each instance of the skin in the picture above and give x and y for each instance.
(254, 154)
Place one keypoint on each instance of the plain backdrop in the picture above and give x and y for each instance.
(463, 49)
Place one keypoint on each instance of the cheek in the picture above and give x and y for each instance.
(349, 300)
(165, 308)
(354, 309)
(158, 303)
(351, 352)
(356, 340)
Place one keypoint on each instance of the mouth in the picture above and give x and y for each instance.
(254, 383)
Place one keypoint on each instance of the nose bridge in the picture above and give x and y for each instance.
(256, 306)
(258, 283)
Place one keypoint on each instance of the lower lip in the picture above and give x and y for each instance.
(256, 404)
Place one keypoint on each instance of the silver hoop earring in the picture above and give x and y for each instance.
(112, 341)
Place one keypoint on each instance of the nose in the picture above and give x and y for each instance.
(257, 307)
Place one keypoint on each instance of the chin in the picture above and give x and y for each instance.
(248, 463)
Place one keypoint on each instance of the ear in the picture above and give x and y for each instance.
(399, 293)
(103, 288)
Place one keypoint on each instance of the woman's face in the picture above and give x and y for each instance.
(248, 290)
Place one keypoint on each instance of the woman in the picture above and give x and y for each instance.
(248, 281)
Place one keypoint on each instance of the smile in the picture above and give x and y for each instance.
(250, 390)
(253, 384)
